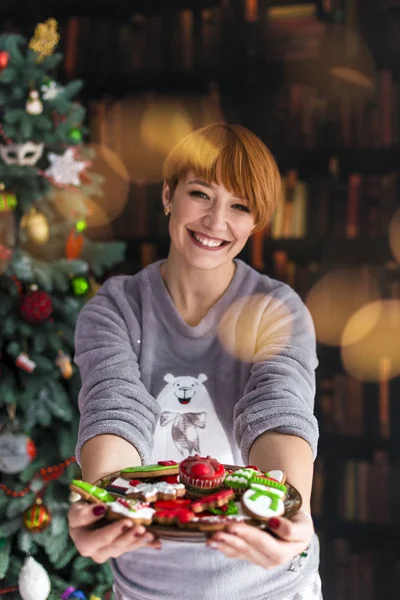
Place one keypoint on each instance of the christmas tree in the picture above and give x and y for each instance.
(48, 269)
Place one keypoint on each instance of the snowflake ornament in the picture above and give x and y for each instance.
(50, 90)
(65, 169)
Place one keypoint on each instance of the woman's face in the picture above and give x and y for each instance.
(208, 225)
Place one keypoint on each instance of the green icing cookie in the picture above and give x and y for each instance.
(145, 468)
(230, 509)
(94, 491)
(269, 483)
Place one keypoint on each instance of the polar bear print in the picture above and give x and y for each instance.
(188, 422)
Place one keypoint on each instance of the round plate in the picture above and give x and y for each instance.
(176, 534)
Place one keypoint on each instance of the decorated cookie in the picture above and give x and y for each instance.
(163, 467)
(212, 501)
(140, 512)
(212, 522)
(271, 484)
(89, 492)
(169, 512)
(201, 474)
(157, 490)
(240, 479)
(231, 508)
(277, 474)
(261, 502)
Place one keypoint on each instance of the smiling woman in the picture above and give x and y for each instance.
(202, 354)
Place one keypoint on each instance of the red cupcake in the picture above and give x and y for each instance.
(201, 474)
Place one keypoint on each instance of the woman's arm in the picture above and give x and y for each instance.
(279, 395)
(291, 454)
(117, 411)
(105, 454)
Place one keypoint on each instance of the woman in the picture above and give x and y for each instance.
(201, 353)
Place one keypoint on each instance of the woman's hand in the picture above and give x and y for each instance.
(260, 547)
(110, 541)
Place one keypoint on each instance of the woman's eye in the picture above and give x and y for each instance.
(199, 194)
(242, 207)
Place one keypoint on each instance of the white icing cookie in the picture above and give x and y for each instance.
(160, 490)
(277, 474)
(262, 503)
(140, 512)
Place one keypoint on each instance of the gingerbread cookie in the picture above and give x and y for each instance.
(169, 512)
(212, 522)
(212, 501)
(163, 467)
(261, 502)
(271, 484)
(117, 508)
(157, 490)
(90, 493)
(139, 512)
(276, 474)
(240, 479)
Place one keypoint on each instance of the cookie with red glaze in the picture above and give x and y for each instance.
(212, 501)
(201, 474)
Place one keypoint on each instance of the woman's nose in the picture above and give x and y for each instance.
(216, 218)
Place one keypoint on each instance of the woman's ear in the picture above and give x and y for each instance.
(166, 194)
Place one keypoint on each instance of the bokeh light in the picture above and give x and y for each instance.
(142, 130)
(248, 330)
(98, 210)
(336, 297)
(394, 235)
(370, 342)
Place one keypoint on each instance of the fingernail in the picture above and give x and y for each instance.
(213, 544)
(127, 527)
(99, 510)
(274, 523)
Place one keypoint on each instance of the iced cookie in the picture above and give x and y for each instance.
(212, 522)
(240, 479)
(139, 512)
(169, 512)
(158, 490)
(276, 474)
(90, 493)
(163, 467)
(261, 502)
(212, 501)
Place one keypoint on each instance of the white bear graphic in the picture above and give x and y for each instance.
(188, 422)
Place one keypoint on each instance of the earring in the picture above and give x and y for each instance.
(167, 210)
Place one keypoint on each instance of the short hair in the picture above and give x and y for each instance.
(233, 156)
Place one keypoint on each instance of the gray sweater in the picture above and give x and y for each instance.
(171, 389)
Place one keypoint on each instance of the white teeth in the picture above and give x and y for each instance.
(206, 242)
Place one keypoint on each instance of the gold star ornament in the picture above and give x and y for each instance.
(45, 39)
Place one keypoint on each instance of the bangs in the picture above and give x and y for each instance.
(231, 156)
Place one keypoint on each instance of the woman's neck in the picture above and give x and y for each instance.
(195, 291)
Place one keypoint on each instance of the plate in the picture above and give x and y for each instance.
(176, 534)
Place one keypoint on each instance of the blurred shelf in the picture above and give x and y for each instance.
(365, 534)
(112, 10)
(354, 446)
(333, 249)
(369, 161)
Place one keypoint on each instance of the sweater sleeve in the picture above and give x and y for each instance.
(280, 392)
(112, 399)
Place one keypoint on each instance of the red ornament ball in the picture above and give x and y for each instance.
(36, 306)
(4, 58)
